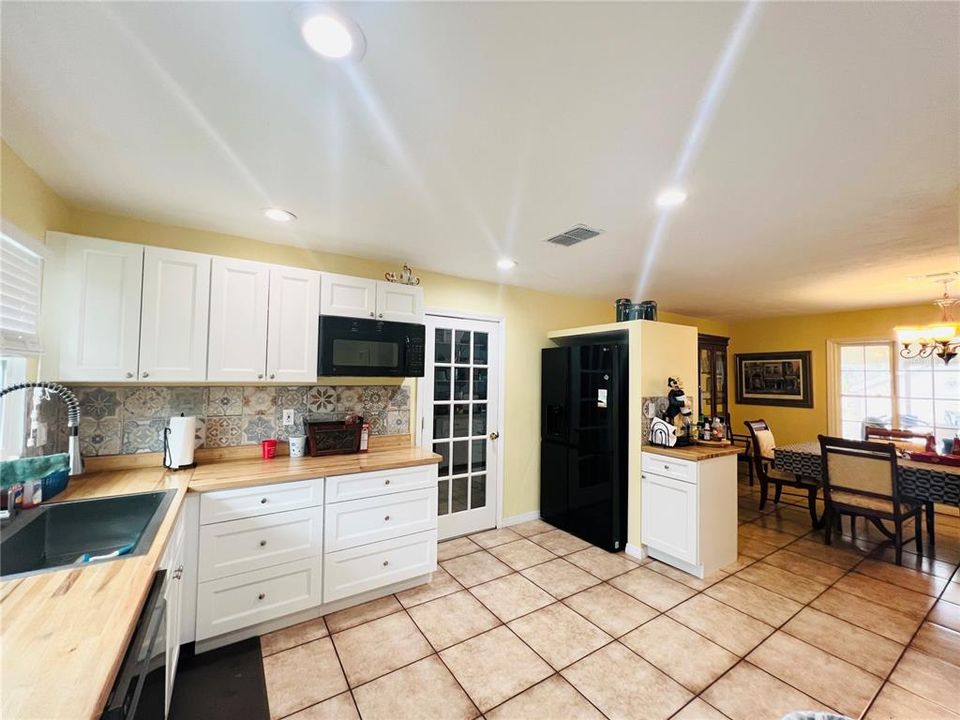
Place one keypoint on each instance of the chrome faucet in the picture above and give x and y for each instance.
(73, 417)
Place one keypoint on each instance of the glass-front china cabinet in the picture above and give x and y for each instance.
(712, 362)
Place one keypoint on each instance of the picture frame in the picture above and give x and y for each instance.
(781, 379)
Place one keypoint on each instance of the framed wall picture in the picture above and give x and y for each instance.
(775, 378)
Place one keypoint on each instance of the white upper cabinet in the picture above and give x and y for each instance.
(348, 296)
(173, 325)
(293, 325)
(239, 295)
(100, 321)
(400, 303)
(363, 298)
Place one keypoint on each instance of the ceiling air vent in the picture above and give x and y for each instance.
(576, 234)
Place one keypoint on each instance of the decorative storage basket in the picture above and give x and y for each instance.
(334, 437)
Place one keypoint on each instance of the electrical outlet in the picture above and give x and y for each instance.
(288, 416)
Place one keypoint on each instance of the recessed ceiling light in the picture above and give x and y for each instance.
(671, 197)
(506, 263)
(278, 215)
(333, 37)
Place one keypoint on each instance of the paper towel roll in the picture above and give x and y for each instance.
(179, 446)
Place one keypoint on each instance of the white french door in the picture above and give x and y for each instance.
(460, 410)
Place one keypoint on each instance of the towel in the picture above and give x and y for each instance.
(52, 469)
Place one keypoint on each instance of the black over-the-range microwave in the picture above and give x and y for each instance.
(370, 348)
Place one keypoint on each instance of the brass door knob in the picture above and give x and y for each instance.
(494, 435)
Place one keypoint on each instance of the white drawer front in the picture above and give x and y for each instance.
(260, 500)
(670, 467)
(242, 600)
(359, 522)
(348, 572)
(237, 546)
(361, 485)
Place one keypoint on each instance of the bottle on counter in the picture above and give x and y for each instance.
(365, 437)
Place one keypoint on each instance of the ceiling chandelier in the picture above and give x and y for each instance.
(941, 339)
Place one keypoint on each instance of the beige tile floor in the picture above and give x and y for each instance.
(529, 622)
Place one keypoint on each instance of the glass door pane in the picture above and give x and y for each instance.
(459, 413)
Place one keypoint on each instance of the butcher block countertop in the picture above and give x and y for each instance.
(694, 453)
(63, 634)
(244, 473)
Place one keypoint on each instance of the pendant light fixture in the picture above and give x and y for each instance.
(940, 339)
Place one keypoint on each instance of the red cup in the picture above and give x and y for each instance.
(268, 449)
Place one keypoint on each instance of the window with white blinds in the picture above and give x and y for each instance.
(21, 272)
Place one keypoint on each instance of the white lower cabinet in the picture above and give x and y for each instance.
(269, 551)
(237, 546)
(353, 571)
(669, 513)
(359, 522)
(238, 601)
(689, 511)
(245, 502)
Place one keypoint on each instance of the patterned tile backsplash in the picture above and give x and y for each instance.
(662, 402)
(127, 420)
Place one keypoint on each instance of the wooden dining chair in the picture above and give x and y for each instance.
(901, 439)
(763, 443)
(860, 480)
(907, 440)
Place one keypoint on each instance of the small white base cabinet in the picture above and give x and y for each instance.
(689, 512)
(289, 551)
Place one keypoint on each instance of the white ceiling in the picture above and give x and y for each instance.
(826, 170)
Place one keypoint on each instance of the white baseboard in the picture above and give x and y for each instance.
(635, 551)
(517, 519)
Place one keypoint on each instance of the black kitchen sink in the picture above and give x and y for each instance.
(61, 534)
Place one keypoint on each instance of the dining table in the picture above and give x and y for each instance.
(924, 482)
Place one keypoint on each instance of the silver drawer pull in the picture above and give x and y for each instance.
(263, 543)
(386, 562)
(386, 517)
(263, 501)
(261, 596)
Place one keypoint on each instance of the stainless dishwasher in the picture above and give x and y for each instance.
(138, 692)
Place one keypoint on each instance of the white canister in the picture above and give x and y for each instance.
(298, 444)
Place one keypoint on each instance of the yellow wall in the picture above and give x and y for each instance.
(35, 208)
(529, 315)
(810, 332)
(27, 201)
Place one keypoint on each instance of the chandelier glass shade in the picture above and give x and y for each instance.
(941, 339)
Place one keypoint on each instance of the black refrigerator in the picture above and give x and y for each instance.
(583, 441)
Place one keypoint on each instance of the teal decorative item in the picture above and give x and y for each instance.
(52, 469)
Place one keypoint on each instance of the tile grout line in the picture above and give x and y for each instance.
(343, 670)
(743, 659)
(436, 652)
(893, 669)
(847, 572)
(659, 613)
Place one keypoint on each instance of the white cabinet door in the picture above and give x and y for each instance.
(239, 292)
(173, 321)
(173, 563)
(401, 303)
(294, 325)
(669, 516)
(348, 296)
(100, 327)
